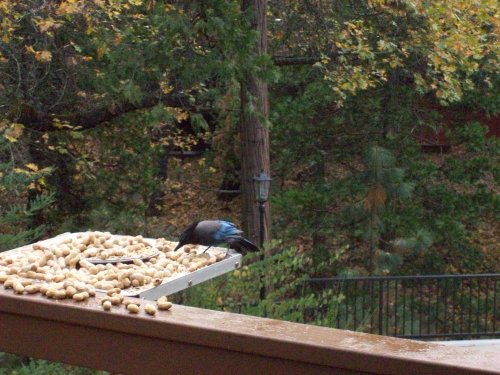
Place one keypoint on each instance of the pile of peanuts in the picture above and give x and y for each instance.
(61, 269)
(102, 246)
(114, 298)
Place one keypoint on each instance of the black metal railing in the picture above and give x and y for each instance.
(424, 307)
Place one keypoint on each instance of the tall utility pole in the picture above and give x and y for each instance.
(253, 131)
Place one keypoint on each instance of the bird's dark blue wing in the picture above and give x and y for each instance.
(226, 230)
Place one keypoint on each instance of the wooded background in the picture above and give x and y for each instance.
(376, 120)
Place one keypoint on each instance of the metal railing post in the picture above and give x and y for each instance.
(427, 312)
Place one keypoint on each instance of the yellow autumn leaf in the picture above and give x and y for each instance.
(43, 56)
(166, 88)
(30, 49)
(14, 132)
(101, 50)
(181, 116)
(117, 39)
(67, 7)
(279, 35)
(46, 24)
(32, 166)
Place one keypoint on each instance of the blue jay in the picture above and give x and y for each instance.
(215, 232)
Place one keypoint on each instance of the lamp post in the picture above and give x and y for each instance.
(262, 183)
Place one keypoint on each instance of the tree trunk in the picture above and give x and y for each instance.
(253, 130)
(161, 176)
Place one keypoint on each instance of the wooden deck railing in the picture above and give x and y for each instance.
(188, 340)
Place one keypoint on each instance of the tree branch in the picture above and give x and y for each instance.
(293, 60)
(309, 60)
(89, 120)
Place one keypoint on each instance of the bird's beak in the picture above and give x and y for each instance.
(179, 245)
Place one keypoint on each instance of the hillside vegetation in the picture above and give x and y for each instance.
(124, 116)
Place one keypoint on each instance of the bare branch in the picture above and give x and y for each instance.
(89, 120)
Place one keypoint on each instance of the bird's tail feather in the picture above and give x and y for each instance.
(249, 245)
(242, 244)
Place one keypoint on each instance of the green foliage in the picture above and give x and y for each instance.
(419, 242)
(19, 218)
(23, 196)
(386, 186)
(473, 135)
(455, 194)
(282, 275)
(12, 365)
(95, 95)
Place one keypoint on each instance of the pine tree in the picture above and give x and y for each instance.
(386, 184)
(21, 196)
